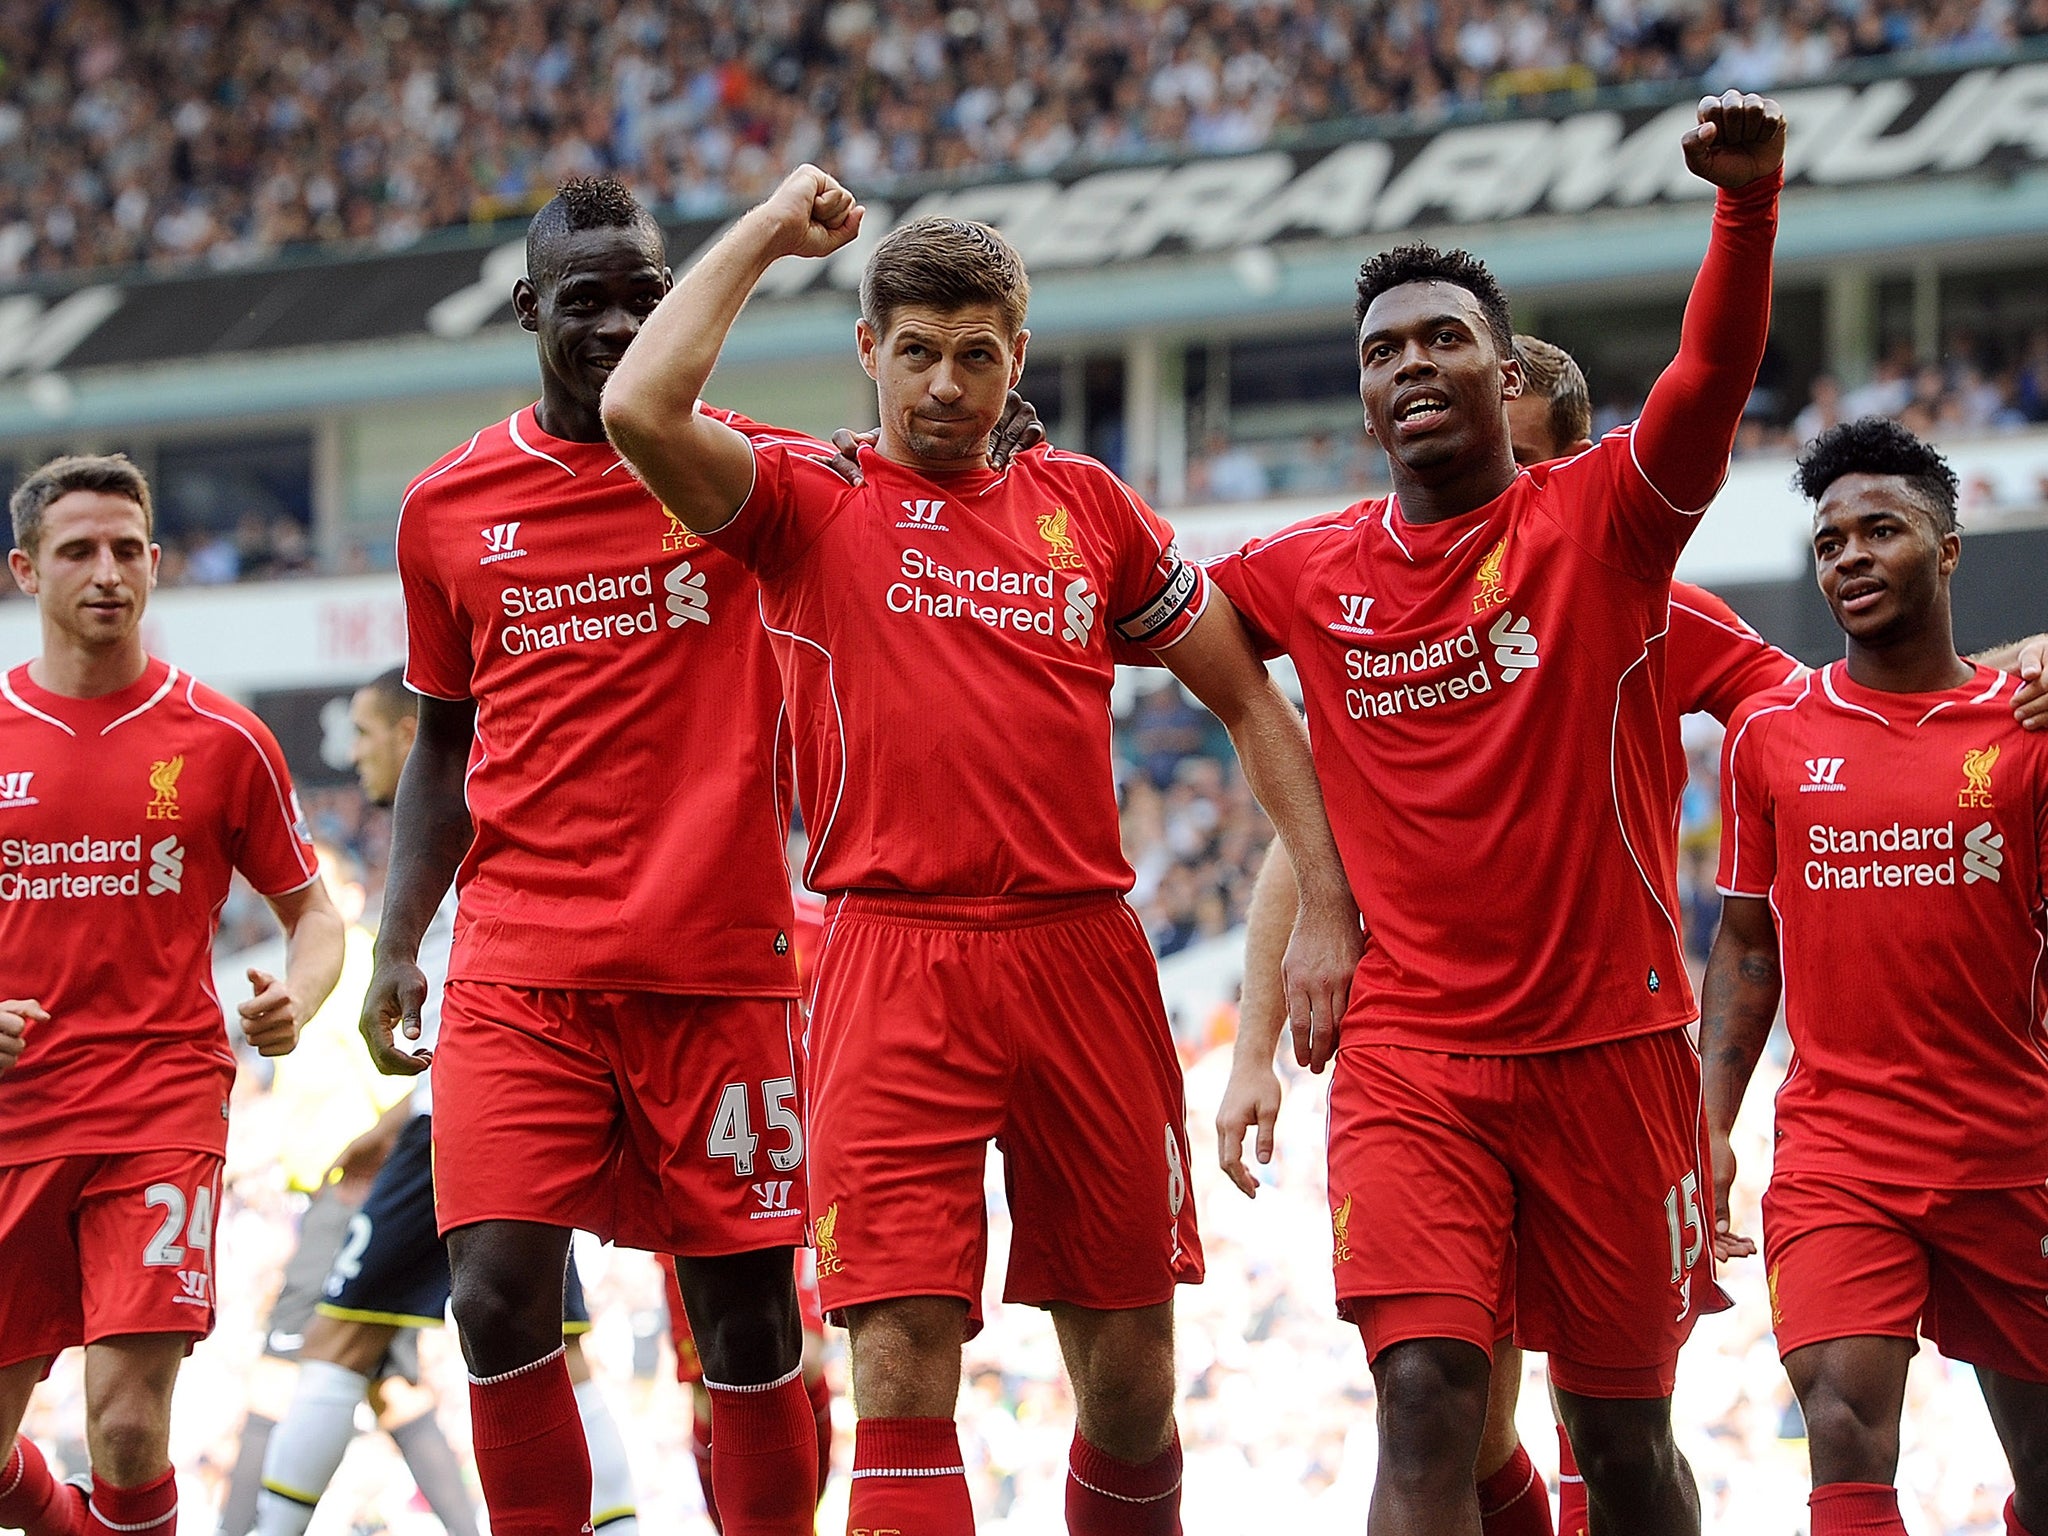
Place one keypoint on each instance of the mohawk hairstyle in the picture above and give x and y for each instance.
(1877, 445)
(1426, 264)
(585, 202)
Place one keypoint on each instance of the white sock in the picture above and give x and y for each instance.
(612, 1509)
(307, 1446)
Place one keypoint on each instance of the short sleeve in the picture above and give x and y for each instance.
(438, 658)
(1714, 659)
(795, 494)
(274, 851)
(1749, 848)
(1263, 580)
(1609, 508)
(1158, 593)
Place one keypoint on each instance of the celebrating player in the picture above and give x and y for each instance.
(391, 1275)
(947, 634)
(132, 794)
(1715, 661)
(1482, 657)
(1886, 834)
(597, 751)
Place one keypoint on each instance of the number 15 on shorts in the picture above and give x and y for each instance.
(732, 1126)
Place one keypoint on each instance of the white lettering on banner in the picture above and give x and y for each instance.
(34, 339)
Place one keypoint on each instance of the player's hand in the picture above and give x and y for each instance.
(271, 1019)
(398, 990)
(2030, 704)
(1322, 955)
(1739, 139)
(1250, 1099)
(1728, 1243)
(810, 214)
(846, 464)
(16, 1014)
(1017, 431)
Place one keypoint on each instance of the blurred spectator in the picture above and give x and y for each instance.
(1822, 410)
(1226, 471)
(190, 130)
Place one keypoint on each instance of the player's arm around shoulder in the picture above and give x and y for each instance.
(314, 940)
(700, 468)
(1215, 659)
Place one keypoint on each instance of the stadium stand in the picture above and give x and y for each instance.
(177, 131)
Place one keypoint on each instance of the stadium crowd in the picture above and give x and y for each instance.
(182, 130)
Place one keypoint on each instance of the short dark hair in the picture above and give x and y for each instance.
(1877, 445)
(1554, 375)
(111, 474)
(585, 202)
(392, 696)
(944, 264)
(1426, 264)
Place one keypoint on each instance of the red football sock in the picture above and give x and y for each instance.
(764, 1457)
(1514, 1502)
(32, 1500)
(530, 1454)
(1571, 1489)
(908, 1477)
(1856, 1509)
(1107, 1497)
(2012, 1518)
(820, 1394)
(128, 1511)
(700, 1447)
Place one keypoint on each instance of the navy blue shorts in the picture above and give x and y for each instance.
(393, 1265)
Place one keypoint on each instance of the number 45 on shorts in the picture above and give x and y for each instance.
(732, 1126)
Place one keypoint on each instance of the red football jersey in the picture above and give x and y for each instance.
(625, 785)
(1714, 660)
(1901, 840)
(122, 822)
(947, 649)
(1487, 702)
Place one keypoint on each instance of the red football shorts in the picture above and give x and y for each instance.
(673, 1124)
(938, 1024)
(97, 1246)
(1970, 1266)
(689, 1368)
(1579, 1172)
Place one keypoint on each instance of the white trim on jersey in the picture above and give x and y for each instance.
(1470, 533)
(284, 805)
(1387, 522)
(7, 691)
(1614, 784)
(1827, 683)
(170, 677)
(435, 474)
(512, 430)
(839, 722)
(1734, 795)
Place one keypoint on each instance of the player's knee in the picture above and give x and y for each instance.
(1432, 1408)
(746, 1341)
(906, 1356)
(130, 1435)
(1625, 1449)
(1849, 1441)
(1125, 1407)
(505, 1315)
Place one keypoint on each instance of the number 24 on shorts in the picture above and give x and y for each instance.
(732, 1127)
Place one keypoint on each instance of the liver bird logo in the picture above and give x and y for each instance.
(1060, 551)
(824, 1242)
(163, 779)
(1340, 1232)
(1490, 593)
(1977, 766)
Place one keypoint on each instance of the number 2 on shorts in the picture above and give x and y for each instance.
(732, 1129)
